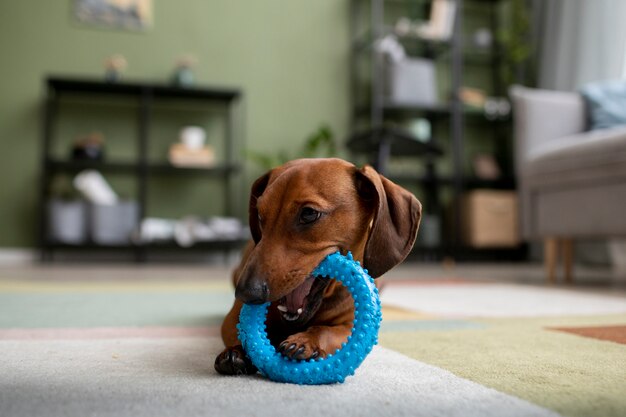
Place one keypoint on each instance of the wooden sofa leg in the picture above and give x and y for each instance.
(568, 259)
(551, 257)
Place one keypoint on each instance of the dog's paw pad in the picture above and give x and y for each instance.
(234, 361)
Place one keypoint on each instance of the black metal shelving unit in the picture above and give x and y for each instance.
(144, 96)
(376, 111)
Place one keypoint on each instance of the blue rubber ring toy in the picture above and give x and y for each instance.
(335, 367)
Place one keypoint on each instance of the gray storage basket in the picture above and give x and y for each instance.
(411, 81)
(113, 224)
(67, 221)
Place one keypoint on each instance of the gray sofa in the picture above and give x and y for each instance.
(572, 182)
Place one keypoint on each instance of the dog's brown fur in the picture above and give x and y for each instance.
(360, 211)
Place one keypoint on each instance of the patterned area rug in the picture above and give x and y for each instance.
(147, 348)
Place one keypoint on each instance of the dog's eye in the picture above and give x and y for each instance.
(309, 215)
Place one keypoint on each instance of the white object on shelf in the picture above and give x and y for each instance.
(441, 23)
(153, 229)
(193, 137)
(95, 188)
(390, 47)
(191, 230)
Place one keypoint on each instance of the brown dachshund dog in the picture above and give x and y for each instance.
(299, 213)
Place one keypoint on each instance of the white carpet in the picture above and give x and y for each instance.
(162, 377)
(498, 300)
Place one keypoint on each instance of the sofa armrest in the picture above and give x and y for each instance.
(541, 116)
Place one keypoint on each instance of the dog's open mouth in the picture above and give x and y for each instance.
(299, 305)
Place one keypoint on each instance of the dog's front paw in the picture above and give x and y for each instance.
(301, 346)
(234, 361)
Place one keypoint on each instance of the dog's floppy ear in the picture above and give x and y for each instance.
(397, 215)
(253, 214)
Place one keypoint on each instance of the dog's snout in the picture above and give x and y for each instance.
(253, 291)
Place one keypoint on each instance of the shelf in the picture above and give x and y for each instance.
(468, 183)
(470, 114)
(390, 108)
(365, 41)
(76, 166)
(435, 109)
(450, 117)
(169, 245)
(165, 168)
(406, 177)
(137, 89)
(207, 245)
(401, 142)
(159, 168)
(145, 96)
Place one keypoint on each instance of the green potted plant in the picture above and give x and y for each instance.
(320, 143)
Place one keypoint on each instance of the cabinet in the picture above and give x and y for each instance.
(140, 167)
(438, 168)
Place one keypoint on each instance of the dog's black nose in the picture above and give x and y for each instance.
(252, 291)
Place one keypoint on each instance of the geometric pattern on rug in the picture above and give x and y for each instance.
(615, 334)
(574, 376)
(511, 349)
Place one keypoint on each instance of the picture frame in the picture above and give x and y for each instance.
(131, 15)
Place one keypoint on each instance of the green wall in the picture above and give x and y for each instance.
(289, 56)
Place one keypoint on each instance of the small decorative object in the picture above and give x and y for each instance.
(89, 148)
(472, 97)
(483, 38)
(335, 367)
(113, 67)
(403, 26)
(421, 129)
(497, 107)
(486, 167)
(183, 74)
(191, 151)
(114, 14)
(193, 137)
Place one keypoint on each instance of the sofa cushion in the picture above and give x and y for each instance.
(606, 103)
(584, 157)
